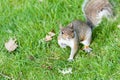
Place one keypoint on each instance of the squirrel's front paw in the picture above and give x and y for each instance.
(88, 49)
(70, 60)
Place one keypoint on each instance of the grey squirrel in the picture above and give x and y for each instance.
(81, 32)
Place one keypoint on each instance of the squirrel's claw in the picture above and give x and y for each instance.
(70, 60)
(88, 50)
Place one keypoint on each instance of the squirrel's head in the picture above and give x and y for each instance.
(67, 32)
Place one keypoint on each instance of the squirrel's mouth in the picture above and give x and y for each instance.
(68, 39)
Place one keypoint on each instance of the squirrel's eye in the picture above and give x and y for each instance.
(62, 32)
(72, 30)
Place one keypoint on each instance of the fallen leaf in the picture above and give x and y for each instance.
(51, 34)
(11, 45)
(48, 38)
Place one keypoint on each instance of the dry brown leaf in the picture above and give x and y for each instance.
(48, 38)
(51, 34)
(11, 45)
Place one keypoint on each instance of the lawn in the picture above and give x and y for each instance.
(29, 21)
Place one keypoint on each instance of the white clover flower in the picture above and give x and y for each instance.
(11, 45)
(66, 71)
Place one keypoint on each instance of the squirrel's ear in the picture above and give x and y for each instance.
(70, 25)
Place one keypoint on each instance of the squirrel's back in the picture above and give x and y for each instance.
(82, 29)
(95, 10)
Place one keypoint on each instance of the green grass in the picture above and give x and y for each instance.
(30, 20)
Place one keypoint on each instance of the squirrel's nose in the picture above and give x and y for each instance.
(68, 38)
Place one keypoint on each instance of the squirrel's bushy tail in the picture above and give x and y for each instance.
(95, 10)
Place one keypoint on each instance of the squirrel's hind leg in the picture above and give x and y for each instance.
(87, 49)
(86, 46)
(86, 43)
